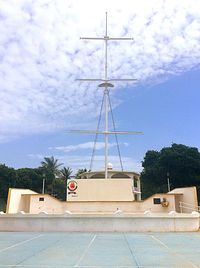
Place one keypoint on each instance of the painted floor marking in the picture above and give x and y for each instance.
(131, 251)
(21, 243)
(86, 266)
(81, 266)
(174, 253)
(85, 251)
(35, 254)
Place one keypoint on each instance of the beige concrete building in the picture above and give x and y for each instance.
(93, 194)
(98, 204)
(92, 186)
(34, 203)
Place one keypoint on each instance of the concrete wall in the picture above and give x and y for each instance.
(50, 204)
(53, 206)
(148, 204)
(126, 223)
(102, 190)
(33, 203)
(25, 203)
(128, 206)
(187, 195)
(15, 202)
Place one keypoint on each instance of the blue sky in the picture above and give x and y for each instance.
(41, 56)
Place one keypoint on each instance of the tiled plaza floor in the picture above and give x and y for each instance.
(87, 250)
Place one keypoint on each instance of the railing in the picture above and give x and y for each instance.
(188, 206)
(136, 190)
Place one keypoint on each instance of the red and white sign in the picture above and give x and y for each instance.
(72, 186)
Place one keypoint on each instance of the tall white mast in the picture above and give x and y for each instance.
(106, 84)
(106, 99)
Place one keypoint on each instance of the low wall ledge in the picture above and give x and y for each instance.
(85, 216)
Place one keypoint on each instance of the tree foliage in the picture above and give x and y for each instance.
(66, 173)
(50, 167)
(181, 162)
(60, 189)
(32, 178)
(8, 178)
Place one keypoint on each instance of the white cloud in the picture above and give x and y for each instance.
(126, 144)
(41, 55)
(82, 146)
(38, 156)
(85, 146)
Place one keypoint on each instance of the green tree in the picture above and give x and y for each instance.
(59, 189)
(30, 178)
(66, 173)
(180, 161)
(8, 179)
(51, 164)
(50, 167)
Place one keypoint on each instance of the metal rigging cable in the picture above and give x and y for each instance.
(96, 136)
(113, 121)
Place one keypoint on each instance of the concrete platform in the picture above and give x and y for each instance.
(102, 250)
(150, 222)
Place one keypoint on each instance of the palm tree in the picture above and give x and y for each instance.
(51, 166)
(66, 172)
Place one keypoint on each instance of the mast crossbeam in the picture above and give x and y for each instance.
(107, 38)
(106, 80)
(105, 132)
